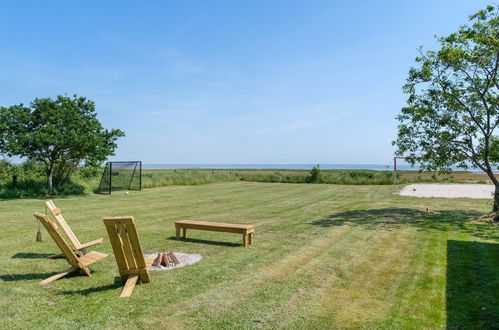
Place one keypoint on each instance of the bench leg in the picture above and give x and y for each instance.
(250, 238)
(177, 232)
(184, 232)
(245, 240)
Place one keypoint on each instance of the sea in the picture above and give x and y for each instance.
(376, 167)
(284, 166)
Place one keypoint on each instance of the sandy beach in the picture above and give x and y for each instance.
(482, 191)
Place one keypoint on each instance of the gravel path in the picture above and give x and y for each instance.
(448, 190)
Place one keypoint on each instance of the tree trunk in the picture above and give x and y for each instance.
(495, 208)
(50, 174)
(492, 177)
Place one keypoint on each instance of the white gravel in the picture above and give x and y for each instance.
(184, 258)
(449, 190)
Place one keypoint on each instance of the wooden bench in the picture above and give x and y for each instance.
(245, 230)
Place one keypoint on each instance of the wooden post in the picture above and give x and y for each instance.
(245, 239)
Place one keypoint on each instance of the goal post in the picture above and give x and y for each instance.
(401, 164)
(121, 175)
(395, 162)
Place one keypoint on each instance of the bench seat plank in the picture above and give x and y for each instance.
(214, 224)
(245, 230)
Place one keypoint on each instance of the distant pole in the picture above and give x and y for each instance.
(140, 175)
(395, 170)
(110, 177)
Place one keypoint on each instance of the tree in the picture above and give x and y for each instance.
(452, 110)
(62, 134)
(315, 175)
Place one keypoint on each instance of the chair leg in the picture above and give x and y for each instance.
(144, 276)
(86, 271)
(55, 256)
(58, 276)
(129, 286)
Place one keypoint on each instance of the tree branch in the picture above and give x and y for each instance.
(470, 112)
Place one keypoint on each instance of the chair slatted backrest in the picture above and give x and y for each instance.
(126, 246)
(61, 243)
(64, 225)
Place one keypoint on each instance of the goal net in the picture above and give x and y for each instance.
(121, 176)
(400, 164)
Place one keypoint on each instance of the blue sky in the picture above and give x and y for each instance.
(228, 81)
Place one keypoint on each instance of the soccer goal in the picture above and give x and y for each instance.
(121, 176)
(400, 164)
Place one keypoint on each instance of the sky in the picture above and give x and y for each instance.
(228, 82)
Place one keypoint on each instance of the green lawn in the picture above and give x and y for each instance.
(324, 256)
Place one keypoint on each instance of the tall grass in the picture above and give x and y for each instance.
(168, 177)
(31, 180)
(181, 177)
(350, 177)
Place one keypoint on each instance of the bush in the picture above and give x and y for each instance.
(89, 172)
(28, 180)
(315, 175)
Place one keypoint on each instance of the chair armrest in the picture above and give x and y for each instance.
(89, 244)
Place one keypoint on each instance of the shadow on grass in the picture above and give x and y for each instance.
(202, 241)
(393, 218)
(26, 277)
(36, 276)
(472, 295)
(118, 283)
(34, 255)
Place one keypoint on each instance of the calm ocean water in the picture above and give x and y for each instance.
(283, 166)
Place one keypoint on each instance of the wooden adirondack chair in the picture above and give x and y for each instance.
(76, 262)
(128, 252)
(77, 247)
